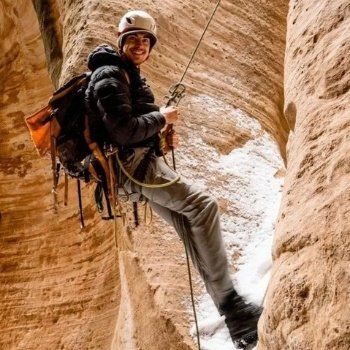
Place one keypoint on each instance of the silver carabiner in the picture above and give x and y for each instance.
(176, 93)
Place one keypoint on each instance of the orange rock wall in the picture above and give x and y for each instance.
(63, 287)
(307, 302)
(55, 279)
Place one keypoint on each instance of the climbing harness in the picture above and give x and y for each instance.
(176, 92)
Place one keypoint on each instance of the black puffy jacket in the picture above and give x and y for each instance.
(123, 113)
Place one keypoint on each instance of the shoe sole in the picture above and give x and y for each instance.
(250, 347)
(242, 346)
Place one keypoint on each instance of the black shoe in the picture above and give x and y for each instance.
(241, 319)
(247, 342)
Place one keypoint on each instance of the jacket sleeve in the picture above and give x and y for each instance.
(114, 102)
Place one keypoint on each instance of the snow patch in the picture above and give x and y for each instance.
(245, 180)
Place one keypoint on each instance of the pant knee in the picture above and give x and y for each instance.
(206, 210)
(211, 204)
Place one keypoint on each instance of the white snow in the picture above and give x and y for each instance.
(253, 194)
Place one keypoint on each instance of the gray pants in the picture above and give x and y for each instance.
(195, 217)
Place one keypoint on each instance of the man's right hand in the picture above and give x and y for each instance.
(171, 114)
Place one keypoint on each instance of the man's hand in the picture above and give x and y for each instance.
(171, 114)
(170, 139)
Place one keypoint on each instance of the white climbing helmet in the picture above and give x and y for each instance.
(136, 22)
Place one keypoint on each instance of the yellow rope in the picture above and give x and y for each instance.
(142, 184)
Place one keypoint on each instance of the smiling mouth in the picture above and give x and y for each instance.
(138, 52)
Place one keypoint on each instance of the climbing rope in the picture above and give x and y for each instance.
(177, 91)
(192, 296)
(125, 172)
(199, 41)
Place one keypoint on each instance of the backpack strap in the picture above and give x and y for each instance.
(65, 189)
(54, 170)
(82, 225)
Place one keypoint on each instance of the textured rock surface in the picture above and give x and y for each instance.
(67, 288)
(54, 278)
(308, 298)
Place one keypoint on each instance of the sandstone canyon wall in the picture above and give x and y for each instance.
(55, 278)
(307, 302)
(63, 287)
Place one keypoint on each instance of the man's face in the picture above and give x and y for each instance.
(137, 47)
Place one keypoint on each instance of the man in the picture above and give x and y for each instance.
(122, 107)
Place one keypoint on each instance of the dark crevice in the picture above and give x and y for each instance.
(50, 36)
